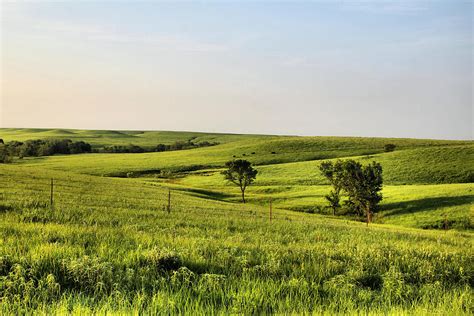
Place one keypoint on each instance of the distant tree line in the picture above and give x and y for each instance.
(181, 145)
(49, 147)
(41, 147)
(178, 145)
(134, 149)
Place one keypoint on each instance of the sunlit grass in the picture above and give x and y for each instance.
(108, 245)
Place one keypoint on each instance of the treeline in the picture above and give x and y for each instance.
(181, 145)
(41, 147)
(178, 145)
(49, 147)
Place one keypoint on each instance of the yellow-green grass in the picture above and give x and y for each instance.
(108, 246)
(299, 186)
(286, 148)
(438, 164)
(109, 138)
(422, 206)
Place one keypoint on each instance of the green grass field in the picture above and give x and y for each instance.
(109, 246)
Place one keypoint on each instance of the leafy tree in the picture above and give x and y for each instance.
(331, 172)
(334, 200)
(362, 184)
(389, 147)
(4, 154)
(79, 147)
(44, 150)
(241, 173)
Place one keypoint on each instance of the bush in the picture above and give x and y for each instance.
(129, 149)
(389, 147)
(181, 145)
(4, 154)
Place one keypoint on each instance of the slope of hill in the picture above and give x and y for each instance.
(100, 138)
(289, 172)
(109, 246)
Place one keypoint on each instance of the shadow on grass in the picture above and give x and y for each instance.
(423, 205)
(208, 194)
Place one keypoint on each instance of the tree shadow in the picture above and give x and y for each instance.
(423, 205)
(207, 194)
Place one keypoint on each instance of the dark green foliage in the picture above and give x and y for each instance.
(241, 173)
(334, 201)
(362, 184)
(160, 148)
(389, 147)
(332, 173)
(4, 154)
(130, 149)
(79, 147)
(48, 147)
(181, 145)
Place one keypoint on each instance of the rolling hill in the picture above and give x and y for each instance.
(109, 245)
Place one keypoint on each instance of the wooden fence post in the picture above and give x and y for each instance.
(169, 201)
(270, 209)
(51, 194)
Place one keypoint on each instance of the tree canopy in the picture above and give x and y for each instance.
(362, 185)
(241, 173)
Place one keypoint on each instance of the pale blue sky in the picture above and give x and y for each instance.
(361, 68)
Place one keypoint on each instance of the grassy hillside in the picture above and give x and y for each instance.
(108, 246)
(452, 164)
(446, 163)
(108, 138)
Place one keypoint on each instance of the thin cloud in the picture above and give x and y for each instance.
(49, 29)
(160, 41)
(394, 7)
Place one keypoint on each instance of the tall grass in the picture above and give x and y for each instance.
(108, 246)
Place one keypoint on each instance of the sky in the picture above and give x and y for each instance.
(343, 68)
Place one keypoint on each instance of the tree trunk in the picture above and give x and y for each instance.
(243, 196)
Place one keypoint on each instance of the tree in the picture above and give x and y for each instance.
(79, 147)
(241, 173)
(389, 147)
(160, 147)
(4, 154)
(362, 184)
(330, 171)
(334, 200)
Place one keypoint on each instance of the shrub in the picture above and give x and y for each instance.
(4, 154)
(389, 147)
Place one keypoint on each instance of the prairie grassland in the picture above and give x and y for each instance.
(108, 245)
